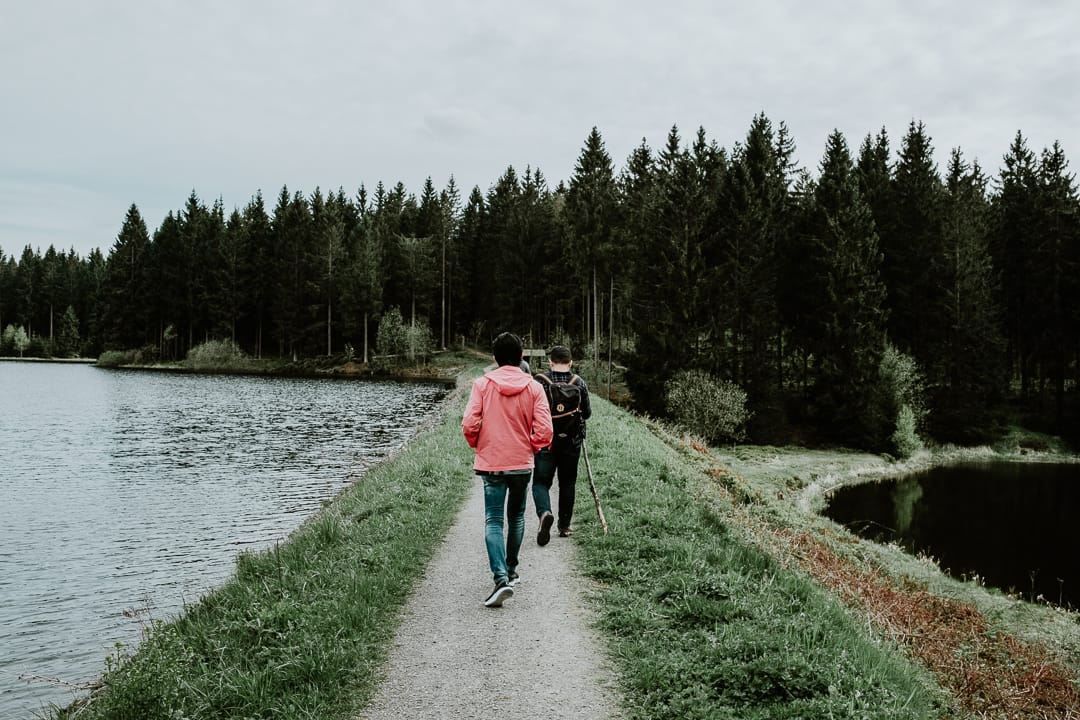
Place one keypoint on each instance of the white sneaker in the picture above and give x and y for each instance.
(502, 592)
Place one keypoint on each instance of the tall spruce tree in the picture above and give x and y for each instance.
(590, 220)
(449, 218)
(127, 289)
(847, 335)
(468, 267)
(1054, 286)
(756, 218)
(257, 249)
(910, 242)
(26, 281)
(875, 179)
(967, 367)
(1015, 234)
(670, 313)
(291, 223)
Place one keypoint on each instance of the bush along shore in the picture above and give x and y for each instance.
(717, 597)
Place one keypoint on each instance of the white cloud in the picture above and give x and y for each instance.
(143, 102)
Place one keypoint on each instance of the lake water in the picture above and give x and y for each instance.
(124, 490)
(1012, 524)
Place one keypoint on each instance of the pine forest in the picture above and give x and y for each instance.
(845, 303)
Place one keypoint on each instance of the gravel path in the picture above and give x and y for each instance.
(534, 657)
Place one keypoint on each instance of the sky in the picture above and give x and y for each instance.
(110, 103)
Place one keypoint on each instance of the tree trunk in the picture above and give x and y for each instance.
(610, 325)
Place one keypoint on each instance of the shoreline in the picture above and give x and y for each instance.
(70, 361)
(692, 518)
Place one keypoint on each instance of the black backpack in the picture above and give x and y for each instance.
(564, 398)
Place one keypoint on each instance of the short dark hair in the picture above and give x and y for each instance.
(507, 349)
(560, 354)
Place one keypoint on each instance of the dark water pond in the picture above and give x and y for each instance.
(1012, 524)
(124, 491)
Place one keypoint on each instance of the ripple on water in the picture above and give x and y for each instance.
(132, 493)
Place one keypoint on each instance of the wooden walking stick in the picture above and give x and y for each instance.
(592, 487)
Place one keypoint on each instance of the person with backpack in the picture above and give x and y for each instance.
(568, 399)
(506, 422)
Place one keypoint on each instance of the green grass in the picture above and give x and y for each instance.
(698, 621)
(703, 624)
(301, 629)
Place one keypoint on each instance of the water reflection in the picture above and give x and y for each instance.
(126, 490)
(1011, 524)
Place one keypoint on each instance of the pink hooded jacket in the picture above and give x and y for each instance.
(507, 420)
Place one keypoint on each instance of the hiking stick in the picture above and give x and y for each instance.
(592, 487)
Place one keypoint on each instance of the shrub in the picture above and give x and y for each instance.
(116, 358)
(67, 340)
(397, 343)
(903, 398)
(15, 340)
(216, 355)
(391, 339)
(707, 406)
(905, 438)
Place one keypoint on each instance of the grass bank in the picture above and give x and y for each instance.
(301, 629)
(717, 596)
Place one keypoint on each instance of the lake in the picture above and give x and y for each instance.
(1011, 523)
(126, 494)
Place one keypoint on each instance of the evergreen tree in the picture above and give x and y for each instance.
(7, 275)
(328, 229)
(67, 341)
(127, 286)
(503, 277)
(1054, 286)
(227, 296)
(93, 292)
(671, 316)
(25, 282)
(51, 295)
(449, 217)
(166, 268)
(910, 243)
(756, 218)
(258, 267)
(875, 179)
(1015, 223)
(967, 363)
(359, 284)
(590, 220)
(636, 190)
(467, 267)
(291, 224)
(847, 335)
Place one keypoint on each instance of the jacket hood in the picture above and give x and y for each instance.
(509, 379)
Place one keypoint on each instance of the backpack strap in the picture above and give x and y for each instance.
(549, 382)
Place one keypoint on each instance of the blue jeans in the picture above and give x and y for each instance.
(505, 490)
(563, 461)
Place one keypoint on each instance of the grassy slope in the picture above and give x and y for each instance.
(700, 620)
(301, 630)
(705, 624)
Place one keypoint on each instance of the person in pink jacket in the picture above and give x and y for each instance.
(507, 421)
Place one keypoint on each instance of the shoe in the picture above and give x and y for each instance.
(501, 592)
(512, 579)
(566, 532)
(544, 535)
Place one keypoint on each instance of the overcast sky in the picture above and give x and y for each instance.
(106, 103)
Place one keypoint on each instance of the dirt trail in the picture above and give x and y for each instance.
(537, 656)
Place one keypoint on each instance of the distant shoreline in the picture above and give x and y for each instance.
(81, 360)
